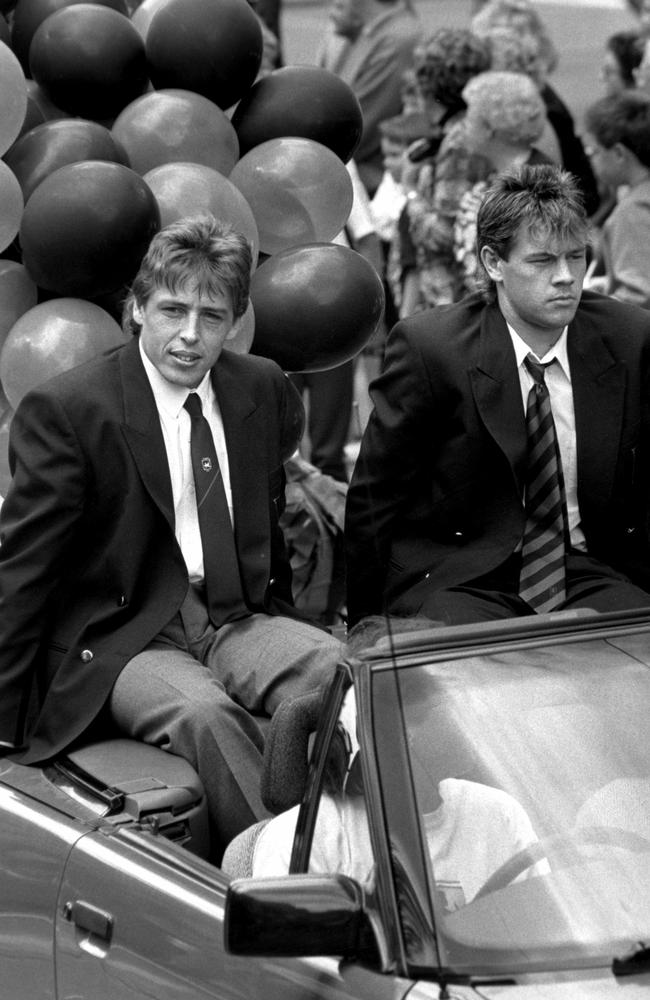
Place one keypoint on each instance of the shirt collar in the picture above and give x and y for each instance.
(557, 352)
(171, 398)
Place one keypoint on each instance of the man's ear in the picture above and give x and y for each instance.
(136, 312)
(491, 262)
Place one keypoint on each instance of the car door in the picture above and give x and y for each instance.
(139, 917)
(35, 841)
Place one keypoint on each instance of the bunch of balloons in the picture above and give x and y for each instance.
(115, 121)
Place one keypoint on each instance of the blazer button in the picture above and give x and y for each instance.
(121, 601)
(86, 655)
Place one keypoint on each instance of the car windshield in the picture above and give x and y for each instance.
(531, 773)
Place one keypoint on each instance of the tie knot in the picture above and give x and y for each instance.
(536, 369)
(193, 405)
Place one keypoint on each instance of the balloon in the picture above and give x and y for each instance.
(301, 101)
(294, 422)
(142, 16)
(183, 189)
(176, 125)
(13, 98)
(56, 143)
(299, 192)
(29, 14)
(18, 293)
(33, 117)
(11, 206)
(242, 341)
(315, 306)
(86, 228)
(213, 47)
(51, 338)
(90, 59)
(43, 102)
(5, 473)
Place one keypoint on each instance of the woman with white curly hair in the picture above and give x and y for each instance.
(505, 118)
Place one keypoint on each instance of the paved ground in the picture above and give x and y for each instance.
(579, 28)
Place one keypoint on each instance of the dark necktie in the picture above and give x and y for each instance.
(222, 580)
(542, 582)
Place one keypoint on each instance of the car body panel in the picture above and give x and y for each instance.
(97, 903)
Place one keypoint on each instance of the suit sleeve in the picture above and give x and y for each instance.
(37, 521)
(397, 440)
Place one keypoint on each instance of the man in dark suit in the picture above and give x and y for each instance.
(107, 611)
(438, 509)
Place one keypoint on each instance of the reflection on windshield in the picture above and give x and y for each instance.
(531, 771)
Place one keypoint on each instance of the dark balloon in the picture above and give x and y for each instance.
(212, 47)
(29, 14)
(86, 228)
(315, 306)
(90, 60)
(54, 144)
(300, 101)
(33, 116)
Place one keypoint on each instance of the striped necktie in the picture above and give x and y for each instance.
(542, 582)
(223, 587)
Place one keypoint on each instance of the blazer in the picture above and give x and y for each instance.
(90, 569)
(436, 497)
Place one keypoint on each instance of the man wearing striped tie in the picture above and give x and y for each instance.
(505, 469)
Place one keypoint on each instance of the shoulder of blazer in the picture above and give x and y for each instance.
(446, 329)
(618, 323)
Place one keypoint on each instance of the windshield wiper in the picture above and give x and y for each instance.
(636, 960)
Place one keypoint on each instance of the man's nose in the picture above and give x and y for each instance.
(563, 272)
(190, 330)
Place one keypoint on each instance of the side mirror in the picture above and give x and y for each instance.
(296, 916)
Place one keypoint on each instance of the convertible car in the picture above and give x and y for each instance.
(465, 813)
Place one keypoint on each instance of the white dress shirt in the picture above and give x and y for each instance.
(558, 381)
(176, 426)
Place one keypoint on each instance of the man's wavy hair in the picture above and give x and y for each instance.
(201, 251)
(543, 200)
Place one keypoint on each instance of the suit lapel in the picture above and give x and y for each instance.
(598, 382)
(142, 431)
(248, 464)
(497, 391)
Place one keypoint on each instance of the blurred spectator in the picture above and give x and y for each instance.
(523, 16)
(443, 65)
(504, 120)
(516, 51)
(622, 55)
(619, 130)
(370, 48)
(389, 212)
(642, 10)
(621, 59)
(270, 42)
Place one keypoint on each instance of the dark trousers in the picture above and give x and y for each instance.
(590, 584)
(329, 412)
